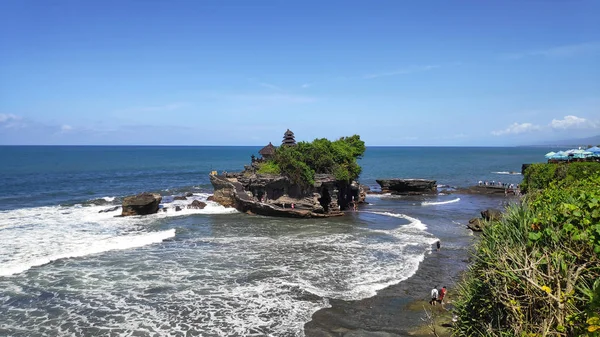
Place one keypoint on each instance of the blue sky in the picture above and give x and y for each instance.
(226, 72)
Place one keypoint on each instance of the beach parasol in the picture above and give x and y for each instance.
(560, 155)
(594, 150)
(549, 154)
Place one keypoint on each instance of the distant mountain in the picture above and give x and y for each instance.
(595, 140)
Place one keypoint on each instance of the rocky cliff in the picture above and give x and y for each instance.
(407, 186)
(276, 195)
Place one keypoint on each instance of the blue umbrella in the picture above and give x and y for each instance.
(594, 150)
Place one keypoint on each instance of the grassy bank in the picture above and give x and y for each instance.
(537, 271)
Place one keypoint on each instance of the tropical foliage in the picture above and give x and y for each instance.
(321, 156)
(536, 272)
(539, 176)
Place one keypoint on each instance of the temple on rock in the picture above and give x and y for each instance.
(267, 152)
(288, 138)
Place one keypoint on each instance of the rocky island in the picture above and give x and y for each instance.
(300, 180)
(407, 186)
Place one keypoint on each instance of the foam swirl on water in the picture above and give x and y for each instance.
(431, 203)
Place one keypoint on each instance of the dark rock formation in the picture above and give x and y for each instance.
(141, 204)
(189, 194)
(275, 195)
(112, 209)
(177, 208)
(407, 186)
(210, 198)
(476, 224)
(363, 190)
(180, 197)
(491, 214)
(196, 204)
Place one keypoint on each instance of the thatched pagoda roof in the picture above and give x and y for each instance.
(268, 150)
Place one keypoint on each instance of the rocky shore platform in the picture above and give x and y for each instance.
(396, 311)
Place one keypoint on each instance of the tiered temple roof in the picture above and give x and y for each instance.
(288, 138)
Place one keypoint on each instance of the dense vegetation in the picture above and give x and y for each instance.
(301, 162)
(539, 176)
(537, 271)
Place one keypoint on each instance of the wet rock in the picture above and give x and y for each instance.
(180, 197)
(210, 198)
(177, 208)
(363, 190)
(141, 204)
(407, 186)
(189, 194)
(196, 204)
(112, 209)
(476, 224)
(491, 214)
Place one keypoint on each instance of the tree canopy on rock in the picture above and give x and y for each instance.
(301, 162)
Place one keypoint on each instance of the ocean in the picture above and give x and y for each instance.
(67, 269)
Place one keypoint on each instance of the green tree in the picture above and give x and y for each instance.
(301, 162)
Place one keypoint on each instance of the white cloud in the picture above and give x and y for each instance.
(273, 98)
(517, 128)
(66, 128)
(404, 71)
(305, 85)
(559, 51)
(572, 122)
(10, 121)
(155, 108)
(8, 117)
(270, 86)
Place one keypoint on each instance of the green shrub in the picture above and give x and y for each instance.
(268, 167)
(539, 176)
(537, 271)
(302, 161)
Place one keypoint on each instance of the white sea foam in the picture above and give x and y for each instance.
(37, 236)
(88, 248)
(430, 203)
(414, 222)
(380, 195)
(227, 279)
(109, 199)
(506, 172)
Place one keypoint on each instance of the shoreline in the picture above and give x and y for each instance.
(391, 312)
(397, 310)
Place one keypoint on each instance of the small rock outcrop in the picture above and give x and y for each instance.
(179, 197)
(490, 214)
(407, 186)
(112, 209)
(476, 224)
(196, 204)
(141, 204)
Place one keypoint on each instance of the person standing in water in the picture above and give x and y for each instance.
(442, 295)
(438, 245)
(434, 296)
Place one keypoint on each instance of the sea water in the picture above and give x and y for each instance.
(67, 269)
